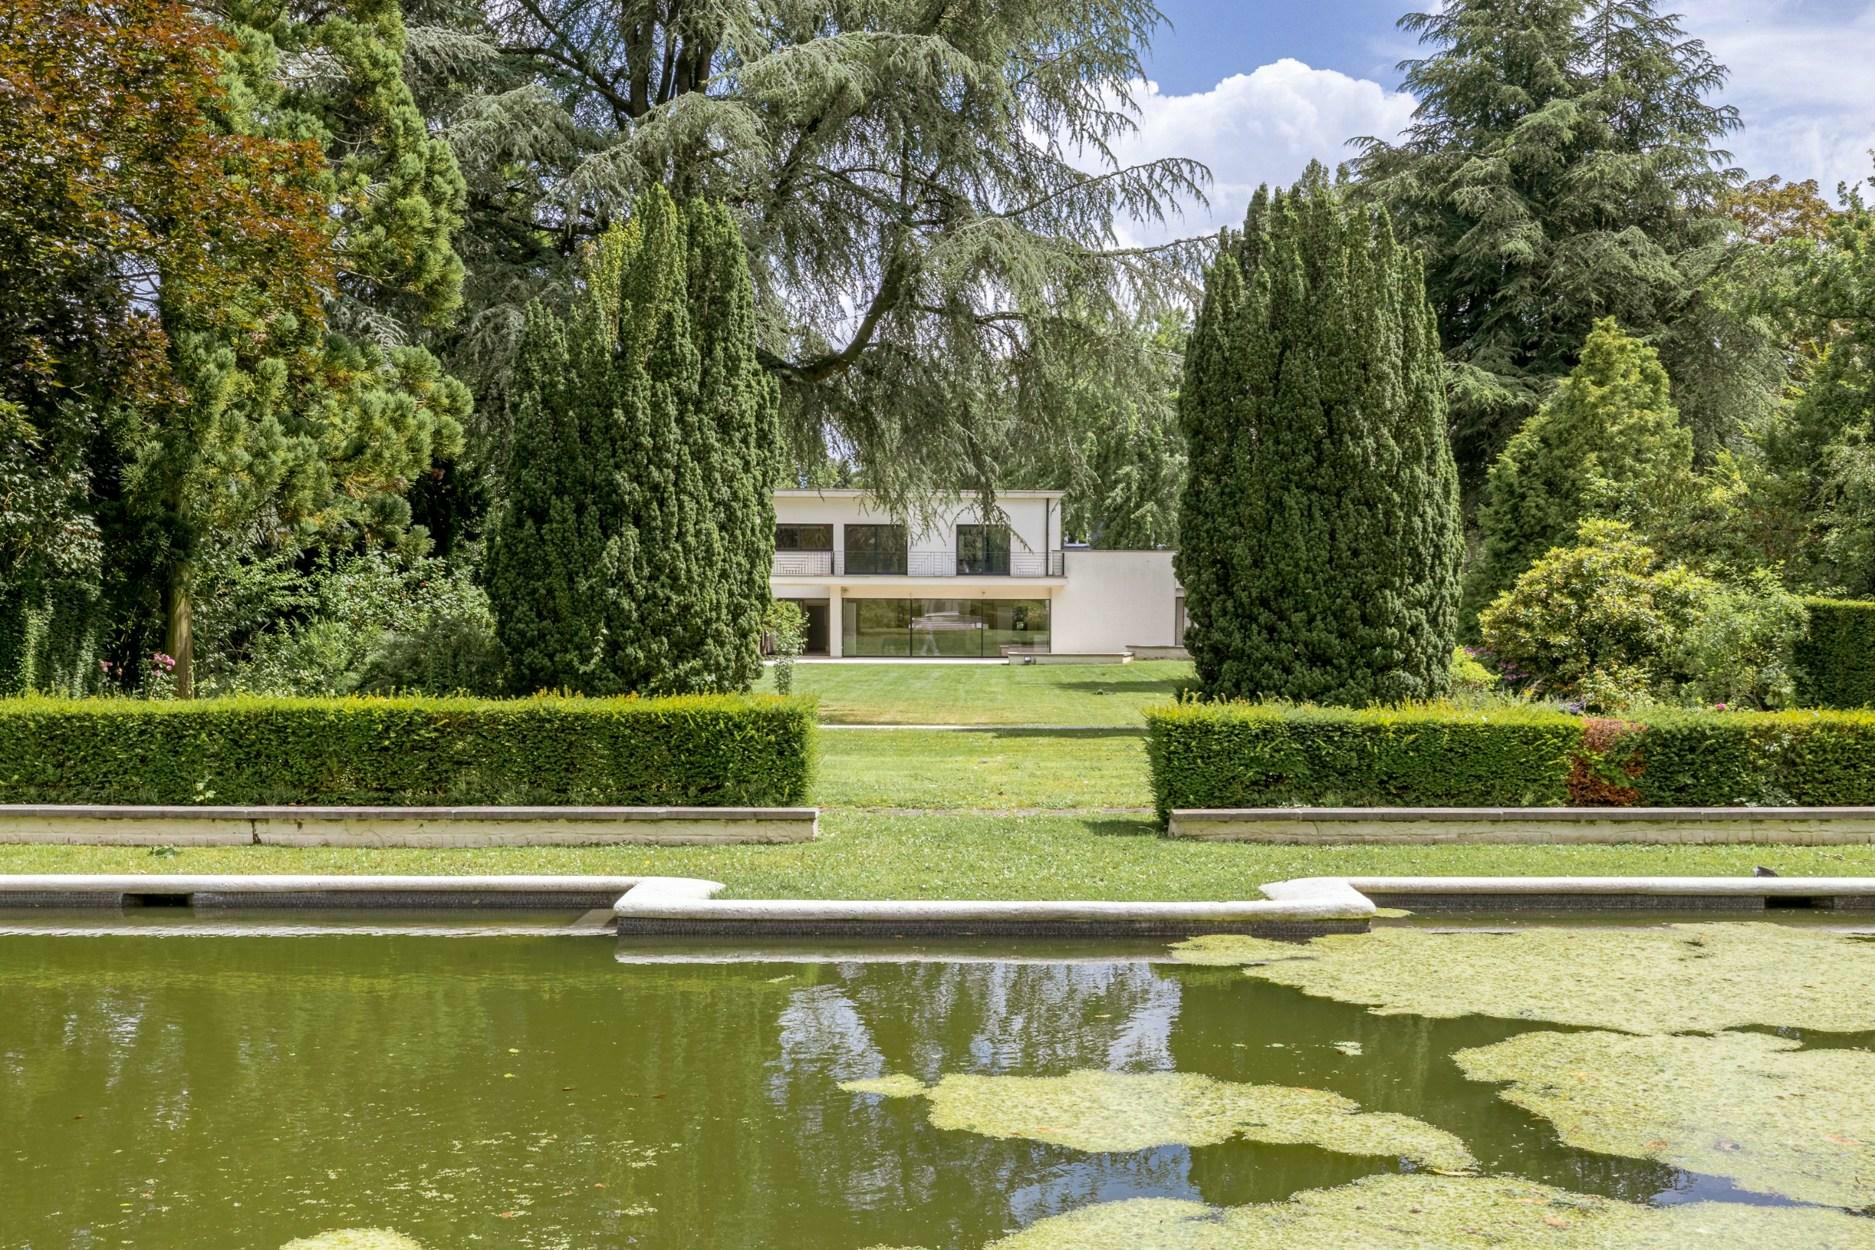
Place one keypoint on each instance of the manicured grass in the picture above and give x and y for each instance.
(976, 694)
(999, 769)
(876, 855)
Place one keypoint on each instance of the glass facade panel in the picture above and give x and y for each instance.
(804, 538)
(876, 627)
(1014, 623)
(982, 549)
(946, 628)
(943, 628)
(875, 549)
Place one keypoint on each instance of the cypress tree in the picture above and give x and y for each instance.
(631, 547)
(1608, 443)
(1319, 535)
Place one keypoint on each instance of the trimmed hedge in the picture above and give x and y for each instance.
(1248, 755)
(1731, 759)
(704, 750)
(1836, 658)
(1262, 755)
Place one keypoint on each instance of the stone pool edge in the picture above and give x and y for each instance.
(688, 906)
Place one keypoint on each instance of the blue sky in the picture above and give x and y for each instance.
(1257, 88)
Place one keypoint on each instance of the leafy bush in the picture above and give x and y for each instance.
(1836, 656)
(1598, 622)
(1610, 627)
(784, 628)
(713, 751)
(1272, 755)
(1740, 648)
(377, 623)
(1268, 755)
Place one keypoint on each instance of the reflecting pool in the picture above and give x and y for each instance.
(242, 1092)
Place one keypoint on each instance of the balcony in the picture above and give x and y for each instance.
(932, 564)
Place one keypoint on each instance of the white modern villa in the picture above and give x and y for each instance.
(959, 589)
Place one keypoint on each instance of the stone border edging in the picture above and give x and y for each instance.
(1314, 907)
(308, 891)
(135, 825)
(1611, 893)
(1482, 826)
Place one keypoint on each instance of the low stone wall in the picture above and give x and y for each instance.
(406, 826)
(1431, 826)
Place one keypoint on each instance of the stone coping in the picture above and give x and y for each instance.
(1798, 826)
(480, 826)
(672, 906)
(686, 906)
(1563, 814)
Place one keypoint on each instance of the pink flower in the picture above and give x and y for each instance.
(165, 662)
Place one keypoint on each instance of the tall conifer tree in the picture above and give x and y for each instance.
(1608, 443)
(1319, 538)
(1563, 165)
(632, 546)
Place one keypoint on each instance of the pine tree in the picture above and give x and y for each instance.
(1563, 166)
(1319, 540)
(631, 548)
(1608, 443)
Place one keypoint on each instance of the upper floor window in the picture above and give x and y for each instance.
(804, 538)
(875, 549)
(982, 549)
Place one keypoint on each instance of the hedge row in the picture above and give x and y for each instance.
(1255, 755)
(1836, 658)
(1246, 755)
(716, 751)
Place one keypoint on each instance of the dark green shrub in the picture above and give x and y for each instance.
(1836, 659)
(705, 750)
(1263, 755)
(1804, 759)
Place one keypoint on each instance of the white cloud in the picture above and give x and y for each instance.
(1265, 126)
(1800, 76)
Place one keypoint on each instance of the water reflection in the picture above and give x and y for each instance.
(240, 1093)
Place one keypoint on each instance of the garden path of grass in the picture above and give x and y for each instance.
(862, 855)
(996, 769)
(975, 694)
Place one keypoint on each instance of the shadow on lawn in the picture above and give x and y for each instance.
(1116, 827)
(1165, 687)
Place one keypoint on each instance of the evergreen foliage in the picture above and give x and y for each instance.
(1562, 166)
(1607, 443)
(632, 547)
(928, 194)
(1319, 535)
(1836, 657)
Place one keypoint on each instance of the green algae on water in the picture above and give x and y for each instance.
(1774, 1118)
(1123, 1111)
(897, 1085)
(354, 1239)
(1422, 1212)
(1656, 979)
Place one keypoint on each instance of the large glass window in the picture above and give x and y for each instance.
(1014, 623)
(804, 538)
(982, 549)
(875, 627)
(946, 628)
(875, 549)
(943, 628)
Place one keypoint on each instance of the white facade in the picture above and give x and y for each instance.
(954, 587)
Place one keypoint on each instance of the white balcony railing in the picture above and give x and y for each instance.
(917, 564)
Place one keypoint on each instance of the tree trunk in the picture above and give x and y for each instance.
(178, 632)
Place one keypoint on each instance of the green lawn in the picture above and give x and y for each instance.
(992, 769)
(874, 855)
(977, 694)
